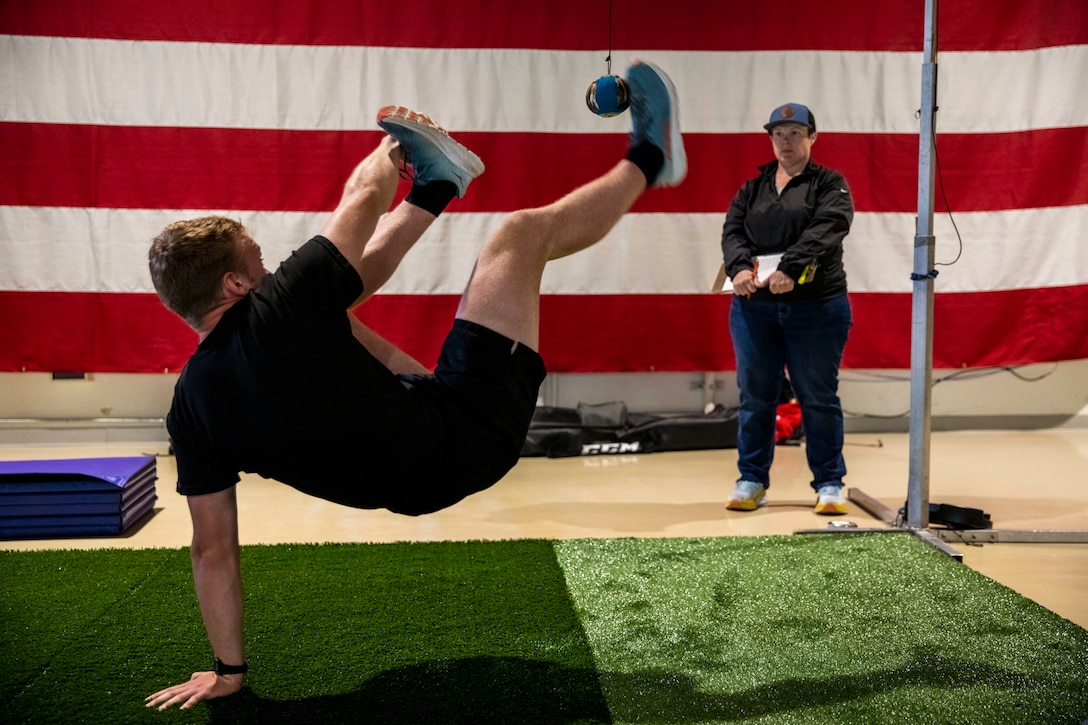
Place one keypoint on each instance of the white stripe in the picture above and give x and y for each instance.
(104, 250)
(988, 92)
(1002, 250)
(87, 81)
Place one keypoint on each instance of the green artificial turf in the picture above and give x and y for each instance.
(878, 628)
(812, 629)
(397, 633)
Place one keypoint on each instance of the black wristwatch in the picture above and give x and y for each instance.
(224, 669)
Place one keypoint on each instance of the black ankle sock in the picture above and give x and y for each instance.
(433, 197)
(649, 159)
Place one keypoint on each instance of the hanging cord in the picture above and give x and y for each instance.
(944, 197)
(608, 58)
(947, 206)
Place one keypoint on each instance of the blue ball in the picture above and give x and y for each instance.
(608, 96)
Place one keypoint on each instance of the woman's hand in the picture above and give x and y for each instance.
(779, 283)
(745, 283)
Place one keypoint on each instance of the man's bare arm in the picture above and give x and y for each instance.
(386, 352)
(217, 577)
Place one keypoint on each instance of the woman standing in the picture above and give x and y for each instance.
(782, 246)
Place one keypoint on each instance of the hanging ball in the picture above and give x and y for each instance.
(608, 96)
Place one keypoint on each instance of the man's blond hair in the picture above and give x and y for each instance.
(188, 260)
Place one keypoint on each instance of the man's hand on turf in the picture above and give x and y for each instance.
(201, 686)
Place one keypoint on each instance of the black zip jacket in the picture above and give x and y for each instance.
(807, 223)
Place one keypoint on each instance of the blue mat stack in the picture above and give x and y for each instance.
(75, 497)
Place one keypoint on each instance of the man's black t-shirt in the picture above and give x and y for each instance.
(282, 388)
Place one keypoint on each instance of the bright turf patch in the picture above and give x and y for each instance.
(835, 629)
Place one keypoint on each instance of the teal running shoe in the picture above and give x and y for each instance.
(431, 152)
(655, 118)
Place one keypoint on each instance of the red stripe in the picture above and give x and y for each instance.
(973, 329)
(213, 168)
(90, 332)
(140, 167)
(564, 24)
(632, 333)
(580, 333)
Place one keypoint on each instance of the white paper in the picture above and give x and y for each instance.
(766, 264)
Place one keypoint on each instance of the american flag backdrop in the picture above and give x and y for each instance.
(118, 117)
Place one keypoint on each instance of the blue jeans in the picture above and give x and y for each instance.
(807, 338)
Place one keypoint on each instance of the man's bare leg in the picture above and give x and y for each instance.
(503, 293)
(373, 241)
(367, 195)
(442, 169)
(396, 233)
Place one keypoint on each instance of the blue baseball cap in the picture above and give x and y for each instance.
(791, 113)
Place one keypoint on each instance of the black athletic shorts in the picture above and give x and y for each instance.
(484, 391)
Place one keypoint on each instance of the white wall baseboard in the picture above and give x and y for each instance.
(133, 406)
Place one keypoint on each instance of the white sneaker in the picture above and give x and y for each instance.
(830, 501)
(747, 496)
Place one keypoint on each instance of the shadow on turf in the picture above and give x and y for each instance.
(510, 689)
(469, 690)
(673, 698)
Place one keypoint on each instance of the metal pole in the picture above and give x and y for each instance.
(921, 353)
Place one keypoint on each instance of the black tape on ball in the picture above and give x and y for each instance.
(608, 96)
